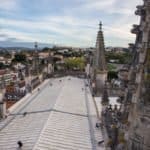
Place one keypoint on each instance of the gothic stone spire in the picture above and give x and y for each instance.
(100, 63)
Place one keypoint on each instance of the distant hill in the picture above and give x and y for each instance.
(21, 45)
(14, 48)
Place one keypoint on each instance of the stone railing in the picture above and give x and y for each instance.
(80, 74)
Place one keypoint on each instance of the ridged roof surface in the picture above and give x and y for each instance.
(61, 116)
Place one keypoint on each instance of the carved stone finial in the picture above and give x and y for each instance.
(100, 26)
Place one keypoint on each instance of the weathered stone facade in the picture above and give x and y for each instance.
(139, 83)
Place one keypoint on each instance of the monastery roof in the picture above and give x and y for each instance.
(57, 117)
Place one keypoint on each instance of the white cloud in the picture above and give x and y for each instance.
(17, 35)
(3, 38)
(8, 5)
(98, 5)
(52, 30)
(74, 29)
(46, 25)
(108, 6)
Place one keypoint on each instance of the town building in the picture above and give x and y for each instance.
(6, 77)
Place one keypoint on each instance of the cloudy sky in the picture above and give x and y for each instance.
(67, 22)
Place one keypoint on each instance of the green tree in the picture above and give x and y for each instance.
(20, 57)
(74, 63)
(111, 67)
(122, 58)
(2, 66)
(112, 75)
(45, 49)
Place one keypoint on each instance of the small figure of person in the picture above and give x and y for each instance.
(24, 114)
(99, 125)
(20, 144)
(100, 142)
